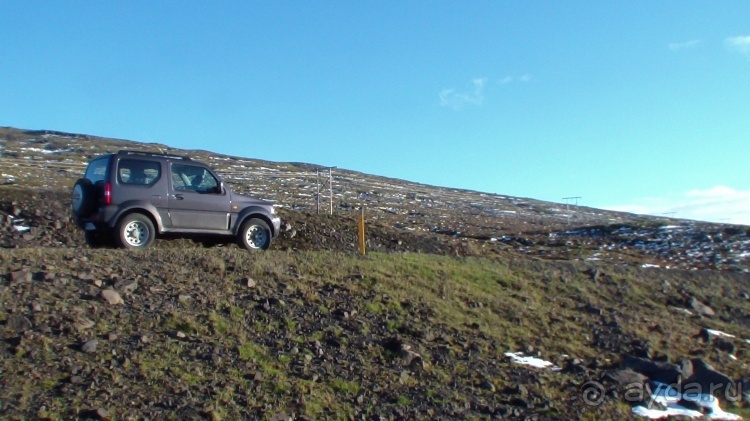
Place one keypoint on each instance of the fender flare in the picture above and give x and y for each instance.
(139, 206)
(252, 212)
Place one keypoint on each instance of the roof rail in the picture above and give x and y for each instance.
(155, 154)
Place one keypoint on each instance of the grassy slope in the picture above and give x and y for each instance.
(315, 336)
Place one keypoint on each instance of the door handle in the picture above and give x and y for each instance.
(178, 197)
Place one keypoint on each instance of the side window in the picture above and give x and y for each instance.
(97, 170)
(138, 172)
(193, 178)
(177, 182)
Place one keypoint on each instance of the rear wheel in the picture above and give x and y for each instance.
(255, 234)
(135, 231)
(83, 199)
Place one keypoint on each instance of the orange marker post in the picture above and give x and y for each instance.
(362, 232)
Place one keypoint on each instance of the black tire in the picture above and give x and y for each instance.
(254, 234)
(135, 231)
(83, 198)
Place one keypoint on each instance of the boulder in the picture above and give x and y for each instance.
(659, 372)
(626, 377)
(704, 379)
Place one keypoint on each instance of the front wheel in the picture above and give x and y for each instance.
(255, 234)
(135, 231)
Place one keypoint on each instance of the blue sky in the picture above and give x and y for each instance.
(632, 105)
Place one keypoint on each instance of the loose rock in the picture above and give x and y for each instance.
(90, 346)
(126, 286)
(701, 308)
(111, 296)
(21, 276)
(83, 324)
(103, 414)
(19, 323)
(487, 385)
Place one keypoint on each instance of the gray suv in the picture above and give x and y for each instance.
(133, 195)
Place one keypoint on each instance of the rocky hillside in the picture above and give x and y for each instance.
(469, 306)
(437, 219)
(188, 332)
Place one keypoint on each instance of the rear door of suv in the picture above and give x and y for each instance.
(196, 201)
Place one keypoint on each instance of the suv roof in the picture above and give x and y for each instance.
(153, 154)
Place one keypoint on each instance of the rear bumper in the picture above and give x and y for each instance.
(101, 220)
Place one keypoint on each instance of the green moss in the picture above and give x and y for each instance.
(403, 400)
(346, 387)
(219, 324)
(250, 351)
(185, 323)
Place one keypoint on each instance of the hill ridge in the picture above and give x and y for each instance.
(479, 223)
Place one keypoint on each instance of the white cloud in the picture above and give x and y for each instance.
(677, 46)
(717, 204)
(740, 44)
(520, 79)
(472, 95)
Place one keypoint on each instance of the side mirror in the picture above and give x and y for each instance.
(221, 188)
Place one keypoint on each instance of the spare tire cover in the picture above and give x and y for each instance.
(82, 200)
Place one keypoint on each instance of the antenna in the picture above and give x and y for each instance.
(330, 187)
(567, 201)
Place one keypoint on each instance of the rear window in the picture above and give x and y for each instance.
(138, 172)
(97, 170)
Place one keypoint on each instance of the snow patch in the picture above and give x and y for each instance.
(21, 228)
(669, 397)
(18, 224)
(719, 333)
(519, 358)
(44, 151)
(671, 411)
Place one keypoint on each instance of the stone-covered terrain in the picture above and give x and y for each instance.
(434, 219)
(417, 329)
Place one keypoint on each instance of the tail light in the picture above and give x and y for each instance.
(107, 193)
